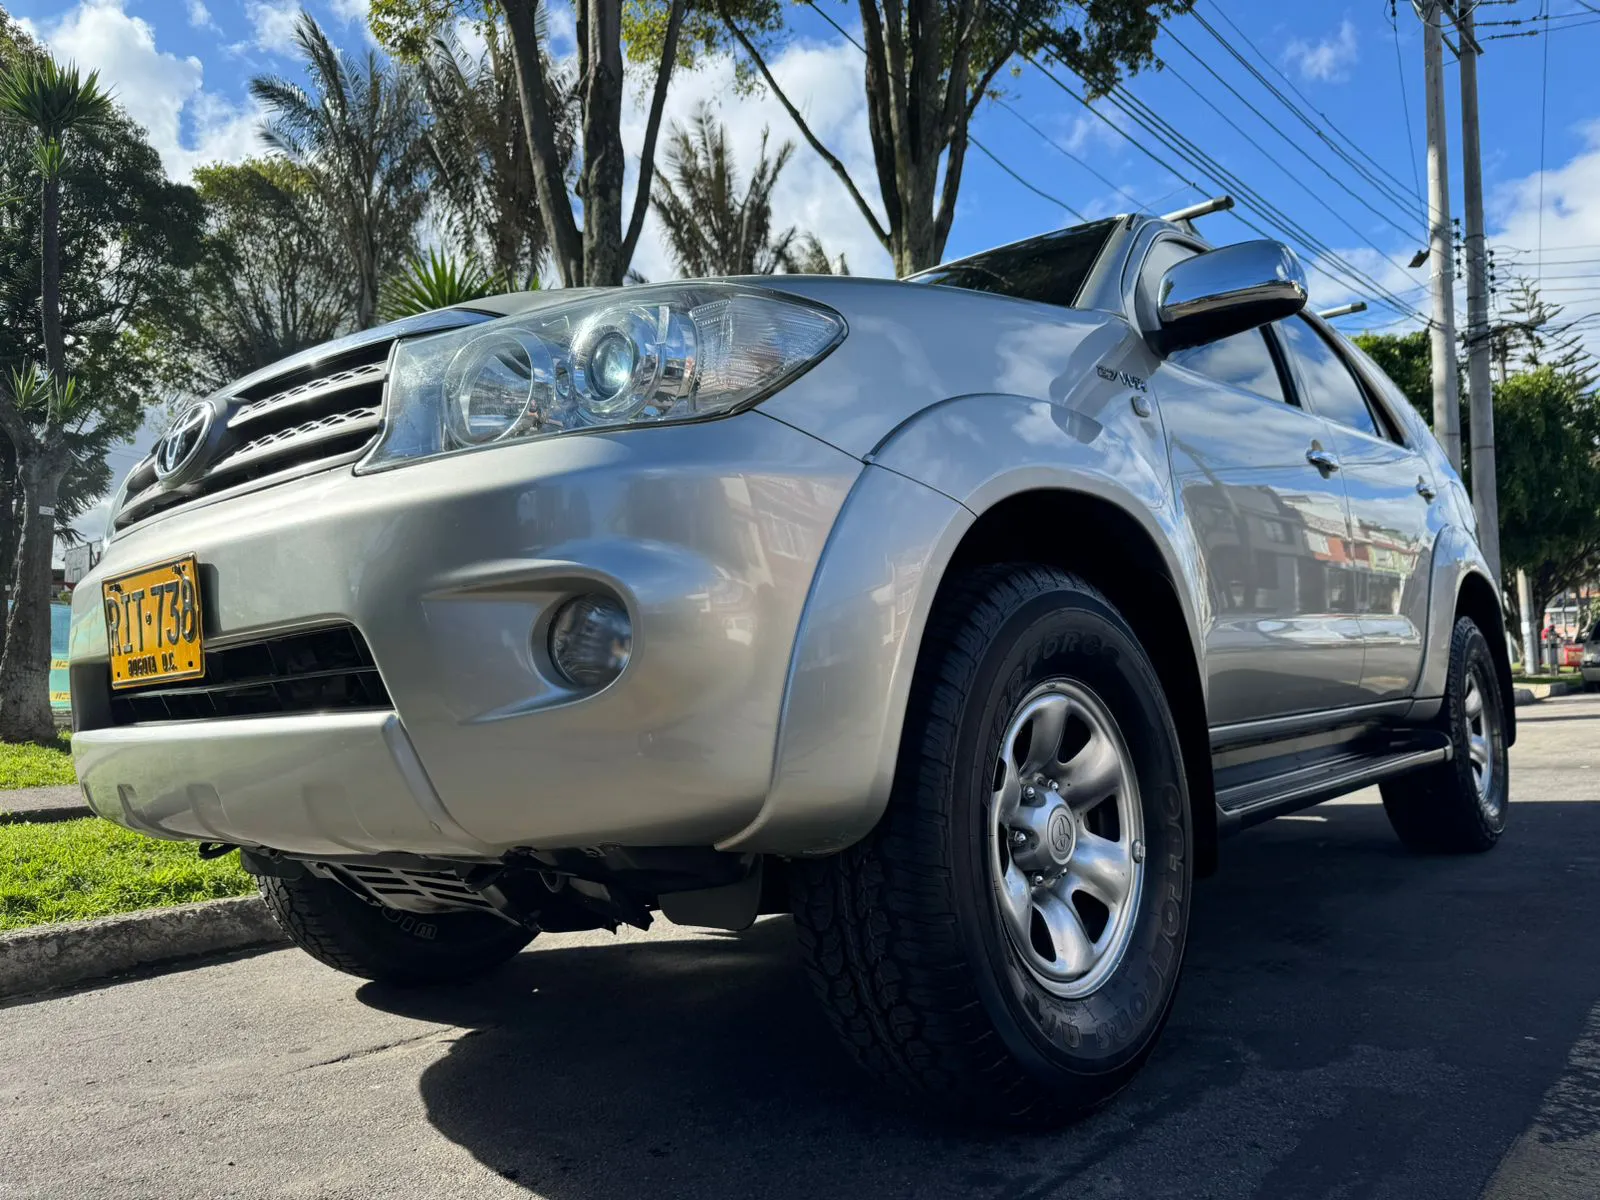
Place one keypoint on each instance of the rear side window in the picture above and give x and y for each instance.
(1050, 269)
(1332, 390)
(1243, 360)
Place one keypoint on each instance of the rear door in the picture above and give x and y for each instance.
(1391, 493)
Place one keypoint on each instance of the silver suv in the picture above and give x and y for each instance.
(1589, 663)
(956, 616)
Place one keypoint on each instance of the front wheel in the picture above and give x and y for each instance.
(340, 929)
(1459, 806)
(1007, 941)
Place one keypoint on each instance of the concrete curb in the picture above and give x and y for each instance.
(55, 956)
(43, 804)
(1522, 696)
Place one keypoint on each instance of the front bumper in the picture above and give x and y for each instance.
(710, 534)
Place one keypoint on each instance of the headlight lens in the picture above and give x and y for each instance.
(647, 355)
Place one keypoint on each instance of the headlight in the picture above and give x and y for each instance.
(644, 356)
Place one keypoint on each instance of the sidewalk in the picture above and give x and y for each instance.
(64, 803)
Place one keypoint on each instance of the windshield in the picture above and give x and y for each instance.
(1050, 268)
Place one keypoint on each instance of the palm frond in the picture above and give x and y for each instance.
(437, 281)
(51, 98)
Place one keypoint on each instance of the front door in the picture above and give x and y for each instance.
(1391, 491)
(1272, 527)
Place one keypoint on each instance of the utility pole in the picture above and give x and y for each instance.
(1530, 630)
(1446, 399)
(1480, 428)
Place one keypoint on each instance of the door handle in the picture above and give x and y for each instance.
(1323, 460)
(1425, 489)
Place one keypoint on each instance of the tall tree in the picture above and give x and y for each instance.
(479, 164)
(714, 227)
(38, 408)
(271, 280)
(1532, 335)
(593, 243)
(928, 65)
(357, 134)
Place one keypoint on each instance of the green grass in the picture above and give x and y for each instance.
(69, 870)
(31, 765)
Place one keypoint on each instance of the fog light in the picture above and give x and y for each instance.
(591, 640)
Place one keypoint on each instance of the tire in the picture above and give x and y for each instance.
(906, 939)
(339, 929)
(1441, 809)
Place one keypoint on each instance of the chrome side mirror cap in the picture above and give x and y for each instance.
(1227, 291)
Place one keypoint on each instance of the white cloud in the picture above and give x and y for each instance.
(272, 22)
(160, 90)
(1328, 60)
(825, 82)
(349, 10)
(200, 15)
(1571, 230)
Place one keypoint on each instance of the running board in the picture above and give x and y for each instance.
(1302, 786)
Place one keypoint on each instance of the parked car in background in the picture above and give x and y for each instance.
(958, 616)
(1589, 663)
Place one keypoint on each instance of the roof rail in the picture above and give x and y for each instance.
(1204, 208)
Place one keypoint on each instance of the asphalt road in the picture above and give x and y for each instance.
(1353, 1022)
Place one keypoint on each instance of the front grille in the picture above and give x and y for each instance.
(319, 409)
(320, 670)
(311, 418)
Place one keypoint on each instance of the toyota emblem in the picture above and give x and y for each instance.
(181, 443)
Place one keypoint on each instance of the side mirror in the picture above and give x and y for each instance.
(1227, 291)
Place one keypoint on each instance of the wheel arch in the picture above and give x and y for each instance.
(1476, 598)
(1096, 538)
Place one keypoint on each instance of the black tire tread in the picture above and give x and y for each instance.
(316, 915)
(875, 922)
(1434, 810)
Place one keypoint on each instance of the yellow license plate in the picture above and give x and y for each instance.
(153, 624)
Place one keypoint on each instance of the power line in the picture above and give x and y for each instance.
(1544, 104)
(1075, 158)
(1035, 190)
(988, 153)
(1405, 101)
(1416, 193)
(1544, 32)
(1301, 150)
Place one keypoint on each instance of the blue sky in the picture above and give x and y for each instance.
(182, 68)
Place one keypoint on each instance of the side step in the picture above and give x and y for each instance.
(1302, 785)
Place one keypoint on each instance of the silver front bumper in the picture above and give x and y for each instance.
(710, 534)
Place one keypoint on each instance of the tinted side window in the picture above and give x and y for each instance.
(1329, 386)
(1244, 360)
(1050, 268)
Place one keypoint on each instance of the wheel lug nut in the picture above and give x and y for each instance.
(1038, 881)
(1138, 851)
(1019, 838)
(1052, 785)
(1028, 793)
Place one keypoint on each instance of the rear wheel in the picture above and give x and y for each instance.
(1007, 942)
(1459, 806)
(349, 934)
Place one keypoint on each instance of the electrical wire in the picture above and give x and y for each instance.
(988, 153)
(1394, 181)
(1405, 102)
(1544, 105)
(1137, 207)
(1296, 146)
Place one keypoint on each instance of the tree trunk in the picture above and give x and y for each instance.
(538, 123)
(50, 280)
(602, 148)
(10, 506)
(25, 664)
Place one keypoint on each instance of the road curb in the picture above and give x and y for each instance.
(1522, 696)
(55, 956)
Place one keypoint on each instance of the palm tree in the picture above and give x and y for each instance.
(712, 227)
(39, 409)
(438, 281)
(357, 132)
(477, 153)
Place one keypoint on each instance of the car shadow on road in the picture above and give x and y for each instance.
(1352, 1019)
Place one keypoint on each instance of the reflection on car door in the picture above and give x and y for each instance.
(1281, 635)
(1392, 516)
